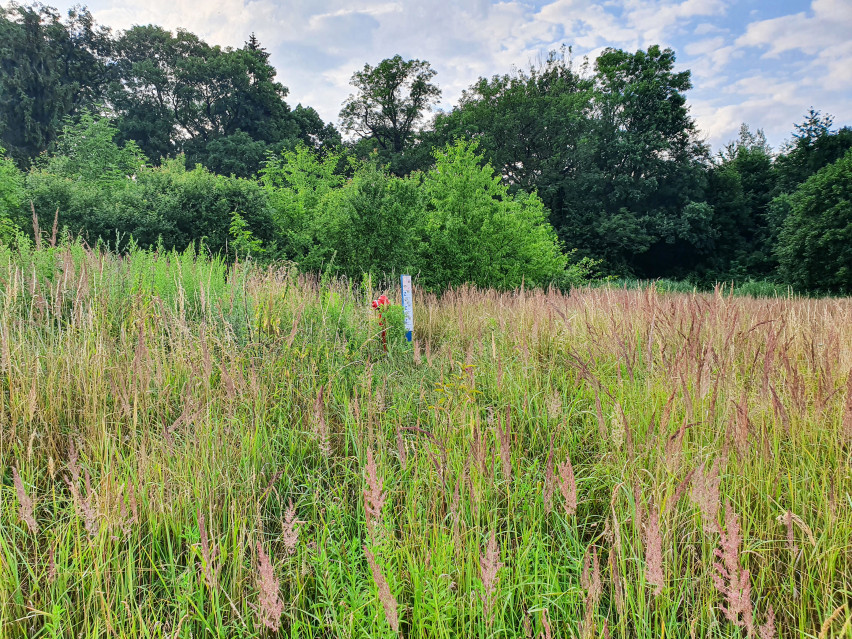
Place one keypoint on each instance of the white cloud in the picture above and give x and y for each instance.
(830, 23)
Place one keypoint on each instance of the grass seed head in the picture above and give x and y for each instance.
(25, 503)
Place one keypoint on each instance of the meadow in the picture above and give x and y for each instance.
(195, 449)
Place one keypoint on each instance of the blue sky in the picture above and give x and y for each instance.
(760, 62)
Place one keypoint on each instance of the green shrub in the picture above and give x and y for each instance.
(815, 244)
(11, 195)
(476, 232)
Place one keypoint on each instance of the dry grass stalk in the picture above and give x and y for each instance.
(549, 480)
(270, 606)
(477, 450)
(547, 633)
(83, 504)
(846, 425)
(55, 228)
(321, 426)
(705, 495)
(674, 449)
(400, 449)
(36, 229)
(838, 613)
(385, 596)
(374, 496)
(568, 486)
(504, 433)
(654, 574)
(767, 630)
(128, 510)
(740, 425)
(618, 426)
(590, 580)
(51, 565)
(731, 580)
(295, 328)
(617, 586)
(554, 405)
(791, 538)
(680, 491)
(290, 533)
(780, 411)
(489, 566)
(209, 555)
(25, 511)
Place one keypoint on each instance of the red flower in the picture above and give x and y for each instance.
(383, 301)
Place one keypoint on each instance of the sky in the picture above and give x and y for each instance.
(762, 62)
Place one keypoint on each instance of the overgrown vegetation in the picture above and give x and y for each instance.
(195, 449)
(605, 152)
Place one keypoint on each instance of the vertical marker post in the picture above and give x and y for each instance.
(407, 305)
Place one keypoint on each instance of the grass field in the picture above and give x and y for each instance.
(190, 450)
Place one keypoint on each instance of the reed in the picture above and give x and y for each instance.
(195, 449)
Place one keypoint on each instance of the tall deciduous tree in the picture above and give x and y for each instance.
(390, 101)
(222, 107)
(815, 145)
(50, 68)
(740, 188)
(815, 244)
(643, 203)
(613, 154)
(530, 125)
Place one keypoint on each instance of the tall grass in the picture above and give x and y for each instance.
(194, 450)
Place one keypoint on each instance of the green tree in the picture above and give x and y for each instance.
(11, 196)
(221, 107)
(646, 167)
(372, 226)
(530, 125)
(297, 183)
(50, 68)
(390, 101)
(613, 154)
(815, 243)
(87, 149)
(476, 232)
(363, 224)
(105, 191)
(815, 145)
(740, 188)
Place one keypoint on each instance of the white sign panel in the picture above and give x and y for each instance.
(407, 305)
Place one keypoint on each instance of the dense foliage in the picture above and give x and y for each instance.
(597, 165)
(815, 244)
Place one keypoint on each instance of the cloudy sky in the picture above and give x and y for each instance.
(764, 62)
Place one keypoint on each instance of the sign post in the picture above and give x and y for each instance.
(407, 305)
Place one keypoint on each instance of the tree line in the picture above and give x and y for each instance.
(544, 175)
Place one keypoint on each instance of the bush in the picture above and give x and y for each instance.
(107, 192)
(815, 244)
(476, 232)
(197, 205)
(11, 195)
(366, 224)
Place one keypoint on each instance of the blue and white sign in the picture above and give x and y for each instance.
(407, 305)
